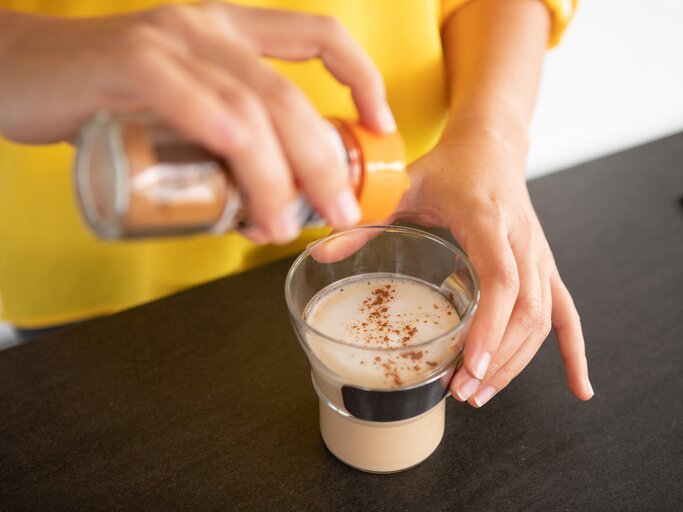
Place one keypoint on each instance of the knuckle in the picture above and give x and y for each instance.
(277, 90)
(139, 38)
(247, 107)
(490, 208)
(270, 200)
(330, 27)
(507, 277)
(319, 164)
(531, 313)
(168, 15)
(545, 327)
(270, 183)
(246, 101)
(507, 373)
(526, 223)
(369, 78)
(138, 47)
(494, 367)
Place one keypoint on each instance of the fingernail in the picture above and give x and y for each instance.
(484, 396)
(345, 210)
(587, 385)
(481, 364)
(386, 119)
(465, 389)
(286, 226)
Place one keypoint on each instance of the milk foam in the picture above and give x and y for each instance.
(382, 317)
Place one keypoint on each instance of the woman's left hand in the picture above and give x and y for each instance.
(473, 183)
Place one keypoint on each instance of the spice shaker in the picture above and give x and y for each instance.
(137, 178)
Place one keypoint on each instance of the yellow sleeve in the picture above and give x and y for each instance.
(561, 11)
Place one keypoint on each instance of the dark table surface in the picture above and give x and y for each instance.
(203, 400)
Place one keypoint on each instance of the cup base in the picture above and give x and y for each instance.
(382, 447)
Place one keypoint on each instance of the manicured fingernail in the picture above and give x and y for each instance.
(386, 119)
(286, 226)
(345, 210)
(481, 364)
(466, 388)
(587, 385)
(484, 396)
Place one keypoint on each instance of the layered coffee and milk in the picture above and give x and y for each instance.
(391, 333)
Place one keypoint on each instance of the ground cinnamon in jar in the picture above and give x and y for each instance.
(137, 178)
(171, 184)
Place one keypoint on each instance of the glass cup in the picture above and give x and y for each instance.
(370, 424)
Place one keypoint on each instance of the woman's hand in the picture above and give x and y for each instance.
(198, 67)
(473, 183)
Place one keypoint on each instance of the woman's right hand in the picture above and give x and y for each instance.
(199, 68)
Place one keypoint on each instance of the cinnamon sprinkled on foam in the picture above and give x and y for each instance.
(382, 314)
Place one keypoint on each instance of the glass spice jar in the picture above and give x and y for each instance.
(136, 178)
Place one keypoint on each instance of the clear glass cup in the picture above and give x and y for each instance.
(382, 427)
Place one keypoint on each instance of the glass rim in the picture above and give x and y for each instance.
(464, 319)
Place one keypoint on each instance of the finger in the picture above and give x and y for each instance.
(528, 313)
(255, 234)
(261, 169)
(492, 256)
(317, 164)
(463, 385)
(149, 75)
(526, 317)
(207, 105)
(296, 36)
(522, 356)
(570, 340)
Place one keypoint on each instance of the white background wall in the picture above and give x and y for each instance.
(6, 337)
(616, 81)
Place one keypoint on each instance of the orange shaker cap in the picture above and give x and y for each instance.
(384, 178)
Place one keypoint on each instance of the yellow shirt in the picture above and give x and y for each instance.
(53, 270)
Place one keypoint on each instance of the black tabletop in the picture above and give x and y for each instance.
(203, 401)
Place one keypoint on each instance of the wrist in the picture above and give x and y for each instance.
(490, 137)
(491, 130)
(496, 123)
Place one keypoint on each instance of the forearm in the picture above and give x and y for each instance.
(494, 52)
